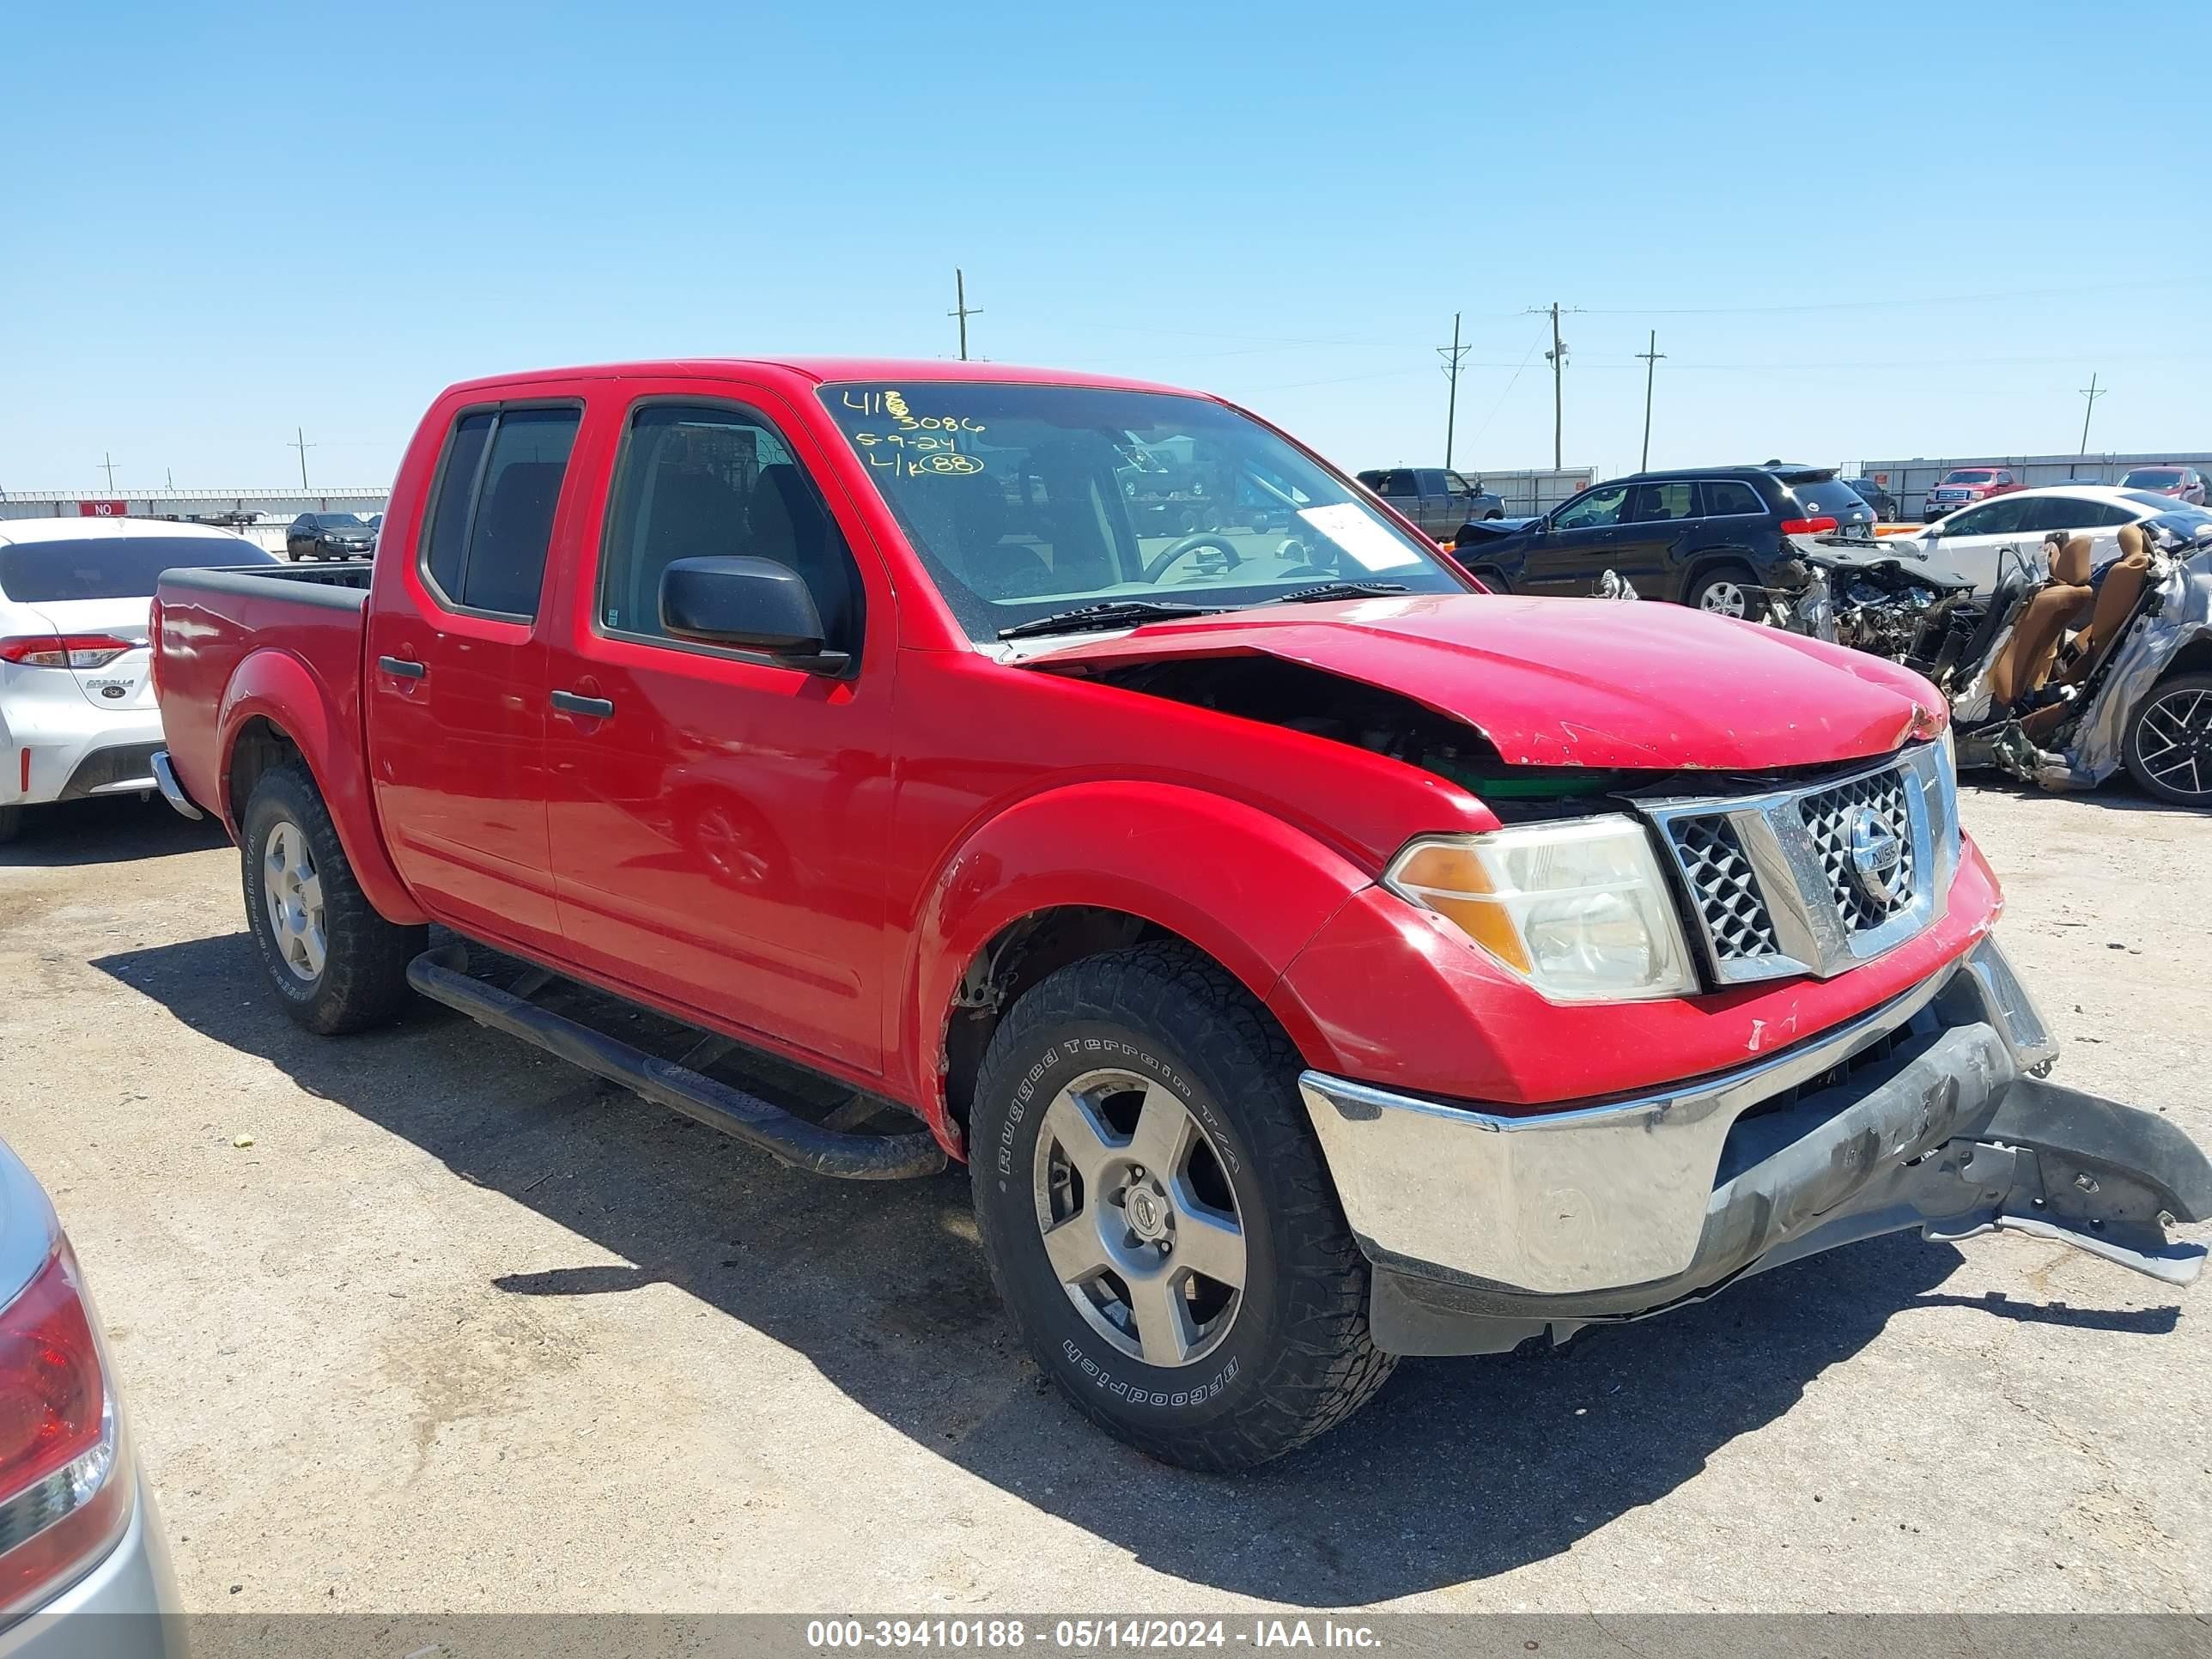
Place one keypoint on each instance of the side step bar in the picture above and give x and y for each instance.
(441, 974)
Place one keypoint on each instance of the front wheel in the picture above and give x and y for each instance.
(336, 963)
(1726, 590)
(1158, 1219)
(2168, 744)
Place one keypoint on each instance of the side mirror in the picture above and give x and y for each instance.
(747, 604)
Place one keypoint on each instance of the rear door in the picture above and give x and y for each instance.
(1438, 503)
(2077, 515)
(719, 818)
(1397, 486)
(1659, 518)
(456, 668)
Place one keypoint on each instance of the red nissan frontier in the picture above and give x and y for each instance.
(1314, 958)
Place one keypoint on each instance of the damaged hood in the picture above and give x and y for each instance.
(1573, 681)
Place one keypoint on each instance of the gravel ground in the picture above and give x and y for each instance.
(464, 1329)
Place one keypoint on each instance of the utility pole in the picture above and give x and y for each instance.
(108, 462)
(2090, 393)
(1557, 356)
(962, 309)
(299, 442)
(1451, 354)
(1651, 354)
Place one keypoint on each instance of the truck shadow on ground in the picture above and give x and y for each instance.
(1461, 1470)
(106, 829)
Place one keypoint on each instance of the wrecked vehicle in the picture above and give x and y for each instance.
(2066, 672)
(1314, 960)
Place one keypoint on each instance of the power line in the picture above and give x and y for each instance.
(108, 462)
(1526, 358)
(2090, 393)
(1651, 354)
(299, 442)
(1451, 354)
(962, 309)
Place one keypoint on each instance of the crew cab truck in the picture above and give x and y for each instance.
(1314, 958)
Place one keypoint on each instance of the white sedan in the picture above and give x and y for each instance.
(77, 715)
(1972, 541)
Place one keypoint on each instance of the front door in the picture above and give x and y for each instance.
(1577, 545)
(456, 674)
(1974, 543)
(718, 820)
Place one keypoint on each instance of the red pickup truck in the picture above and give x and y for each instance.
(1314, 958)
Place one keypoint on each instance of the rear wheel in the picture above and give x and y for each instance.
(1158, 1216)
(1726, 590)
(2168, 745)
(11, 823)
(336, 963)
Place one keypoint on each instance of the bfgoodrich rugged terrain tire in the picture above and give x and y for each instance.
(334, 962)
(1157, 1216)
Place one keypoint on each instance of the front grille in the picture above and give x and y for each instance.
(1724, 889)
(1829, 816)
(1772, 882)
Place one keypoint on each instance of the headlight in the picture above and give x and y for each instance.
(1581, 911)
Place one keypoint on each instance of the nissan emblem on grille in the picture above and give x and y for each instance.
(1877, 857)
(1865, 815)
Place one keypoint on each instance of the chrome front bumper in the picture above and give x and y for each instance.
(1640, 1193)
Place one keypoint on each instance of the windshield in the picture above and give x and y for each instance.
(341, 521)
(2152, 478)
(111, 567)
(1969, 475)
(1026, 501)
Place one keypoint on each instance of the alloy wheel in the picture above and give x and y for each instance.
(1724, 598)
(1138, 1217)
(2173, 741)
(292, 897)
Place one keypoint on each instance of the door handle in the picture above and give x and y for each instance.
(571, 703)
(400, 668)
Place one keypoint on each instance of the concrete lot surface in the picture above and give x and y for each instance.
(464, 1329)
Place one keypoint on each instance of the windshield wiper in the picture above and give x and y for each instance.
(1114, 613)
(1338, 590)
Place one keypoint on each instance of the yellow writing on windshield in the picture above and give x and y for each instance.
(913, 446)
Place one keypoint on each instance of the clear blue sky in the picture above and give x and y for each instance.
(224, 221)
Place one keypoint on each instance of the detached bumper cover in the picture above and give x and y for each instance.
(1920, 1113)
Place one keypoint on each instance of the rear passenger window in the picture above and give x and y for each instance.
(1663, 503)
(449, 517)
(1727, 496)
(493, 519)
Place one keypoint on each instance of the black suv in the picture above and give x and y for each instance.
(1720, 538)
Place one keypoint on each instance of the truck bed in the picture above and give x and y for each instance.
(298, 619)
